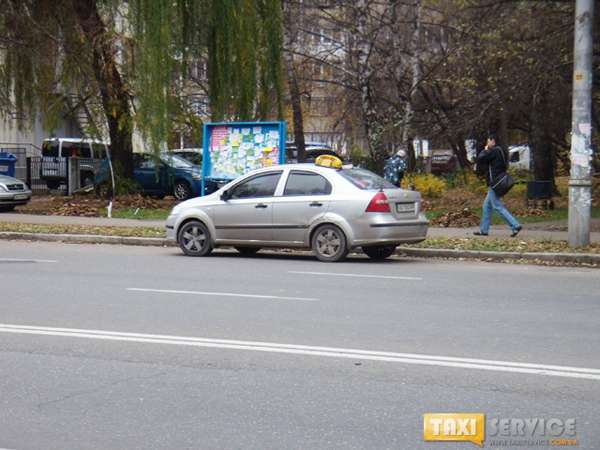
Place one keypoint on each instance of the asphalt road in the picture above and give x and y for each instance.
(114, 347)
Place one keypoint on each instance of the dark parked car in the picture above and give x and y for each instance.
(193, 155)
(312, 151)
(174, 176)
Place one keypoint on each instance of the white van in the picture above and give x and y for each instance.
(519, 156)
(55, 152)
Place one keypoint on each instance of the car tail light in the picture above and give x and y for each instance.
(379, 204)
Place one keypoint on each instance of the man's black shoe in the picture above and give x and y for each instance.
(516, 231)
(479, 233)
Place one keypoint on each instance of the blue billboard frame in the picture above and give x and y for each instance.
(206, 139)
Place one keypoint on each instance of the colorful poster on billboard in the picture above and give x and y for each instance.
(233, 149)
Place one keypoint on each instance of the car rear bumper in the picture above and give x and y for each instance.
(391, 232)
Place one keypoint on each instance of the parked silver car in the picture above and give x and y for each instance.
(13, 192)
(328, 210)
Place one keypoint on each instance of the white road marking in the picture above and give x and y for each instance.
(224, 294)
(27, 260)
(306, 350)
(357, 275)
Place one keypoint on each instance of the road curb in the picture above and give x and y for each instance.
(578, 258)
(565, 258)
(87, 239)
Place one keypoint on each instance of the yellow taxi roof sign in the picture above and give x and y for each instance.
(329, 161)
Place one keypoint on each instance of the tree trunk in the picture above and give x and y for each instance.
(296, 101)
(115, 98)
(458, 145)
(364, 74)
(540, 142)
(290, 34)
(415, 67)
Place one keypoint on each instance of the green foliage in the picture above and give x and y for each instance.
(123, 184)
(36, 60)
(136, 54)
(155, 27)
(245, 59)
(464, 178)
(357, 154)
(427, 184)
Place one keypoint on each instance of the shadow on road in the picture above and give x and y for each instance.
(284, 255)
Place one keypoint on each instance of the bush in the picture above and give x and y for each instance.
(465, 178)
(123, 185)
(428, 185)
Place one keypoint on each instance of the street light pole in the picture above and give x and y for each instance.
(580, 183)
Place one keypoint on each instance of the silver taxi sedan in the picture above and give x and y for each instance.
(330, 211)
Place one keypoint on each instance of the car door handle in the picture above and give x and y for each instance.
(316, 204)
(261, 205)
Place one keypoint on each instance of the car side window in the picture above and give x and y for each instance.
(259, 186)
(147, 163)
(306, 183)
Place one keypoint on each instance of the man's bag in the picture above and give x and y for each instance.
(503, 182)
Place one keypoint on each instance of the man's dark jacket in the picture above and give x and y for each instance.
(494, 158)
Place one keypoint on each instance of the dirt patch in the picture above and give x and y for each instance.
(89, 206)
(457, 219)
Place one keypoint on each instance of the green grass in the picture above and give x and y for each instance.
(139, 213)
(83, 229)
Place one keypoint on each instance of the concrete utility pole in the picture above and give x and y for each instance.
(580, 184)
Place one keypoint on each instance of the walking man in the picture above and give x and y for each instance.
(494, 157)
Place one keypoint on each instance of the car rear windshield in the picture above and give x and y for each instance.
(365, 179)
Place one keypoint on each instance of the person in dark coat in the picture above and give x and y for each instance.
(394, 168)
(496, 162)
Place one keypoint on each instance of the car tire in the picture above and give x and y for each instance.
(7, 208)
(247, 251)
(329, 243)
(194, 239)
(379, 252)
(182, 190)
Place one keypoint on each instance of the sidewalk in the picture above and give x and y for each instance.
(504, 232)
(529, 232)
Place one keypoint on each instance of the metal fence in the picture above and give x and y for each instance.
(64, 175)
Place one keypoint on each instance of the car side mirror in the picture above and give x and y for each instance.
(226, 195)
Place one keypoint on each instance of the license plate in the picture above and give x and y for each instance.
(21, 196)
(405, 207)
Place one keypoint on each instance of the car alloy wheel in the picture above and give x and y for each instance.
(182, 190)
(194, 239)
(379, 252)
(329, 243)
